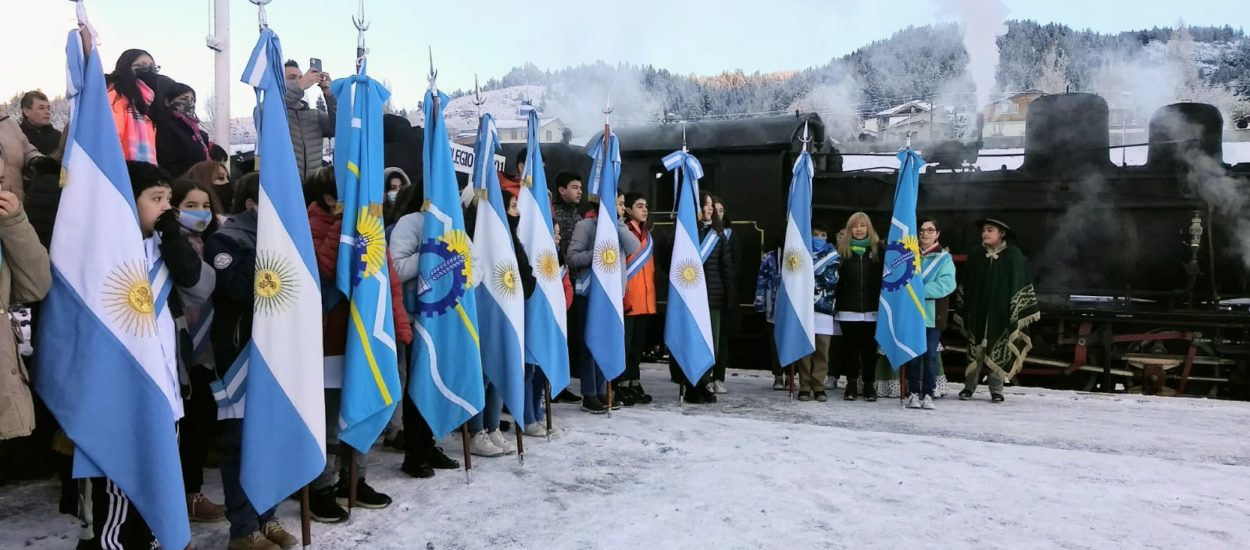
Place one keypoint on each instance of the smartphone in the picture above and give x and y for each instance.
(314, 64)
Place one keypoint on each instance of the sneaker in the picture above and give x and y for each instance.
(502, 442)
(913, 401)
(277, 535)
(416, 467)
(996, 398)
(567, 396)
(641, 396)
(366, 496)
(849, 394)
(253, 541)
(709, 395)
(870, 395)
(324, 508)
(623, 395)
(779, 382)
(693, 396)
(616, 401)
(821, 397)
(805, 396)
(536, 429)
(592, 405)
(965, 395)
(926, 403)
(200, 509)
(481, 445)
(718, 386)
(440, 461)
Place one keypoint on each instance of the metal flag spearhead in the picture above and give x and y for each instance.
(361, 27)
(262, 18)
(807, 137)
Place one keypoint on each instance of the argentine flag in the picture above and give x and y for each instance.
(900, 311)
(370, 365)
(546, 318)
(446, 376)
(687, 319)
(605, 312)
(284, 436)
(500, 298)
(102, 371)
(795, 328)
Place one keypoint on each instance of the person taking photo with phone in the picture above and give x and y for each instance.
(309, 127)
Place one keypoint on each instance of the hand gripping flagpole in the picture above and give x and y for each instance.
(88, 33)
(361, 27)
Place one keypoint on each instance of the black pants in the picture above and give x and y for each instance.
(418, 437)
(859, 354)
(635, 344)
(197, 429)
(114, 522)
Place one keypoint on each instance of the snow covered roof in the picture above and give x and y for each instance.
(520, 123)
(913, 104)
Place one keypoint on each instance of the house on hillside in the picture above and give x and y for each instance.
(879, 122)
(1005, 117)
(550, 130)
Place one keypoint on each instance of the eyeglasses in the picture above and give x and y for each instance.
(928, 230)
(144, 67)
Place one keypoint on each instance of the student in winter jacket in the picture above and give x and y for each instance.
(938, 271)
(825, 263)
(132, 89)
(566, 209)
(730, 322)
(180, 141)
(25, 276)
(767, 288)
(720, 272)
(309, 127)
(859, 290)
(195, 205)
(581, 253)
(232, 253)
(639, 299)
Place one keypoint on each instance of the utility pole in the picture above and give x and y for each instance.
(219, 42)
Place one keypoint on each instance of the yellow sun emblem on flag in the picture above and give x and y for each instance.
(128, 298)
(371, 243)
(794, 260)
(458, 242)
(606, 257)
(548, 266)
(689, 272)
(274, 284)
(507, 281)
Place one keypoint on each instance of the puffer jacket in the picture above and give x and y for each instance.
(582, 251)
(720, 272)
(859, 284)
(25, 276)
(309, 128)
(826, 262)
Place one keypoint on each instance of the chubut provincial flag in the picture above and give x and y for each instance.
(446, 375)
(687, 319)
(795, 317)
(370, 365)
(102, 371)
(900, 311)
(285, 384)
(500, 297)
(546, 321)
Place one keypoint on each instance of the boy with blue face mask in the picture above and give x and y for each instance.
(813, 368)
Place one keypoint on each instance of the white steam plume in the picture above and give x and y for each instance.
(982, 21)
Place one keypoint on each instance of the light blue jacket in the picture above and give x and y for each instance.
(938, 270)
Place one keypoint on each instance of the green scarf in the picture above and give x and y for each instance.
(996, 302)
(859, 246)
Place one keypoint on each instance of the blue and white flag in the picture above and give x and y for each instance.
(102, 371)
(285, 385)
(900, 311)
(546, 317)
(446, 377)
(795, 328)
(605, 308)
(500, 297)
(370, 365)
(687, 319)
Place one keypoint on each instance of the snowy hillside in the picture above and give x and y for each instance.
(1047, 469)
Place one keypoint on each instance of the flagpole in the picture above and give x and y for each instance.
(607, 151)
(305, 519)
(468, 458)
(361, 26)
(547, 404)
(520, 446)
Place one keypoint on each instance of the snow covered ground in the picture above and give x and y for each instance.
(1047, 469)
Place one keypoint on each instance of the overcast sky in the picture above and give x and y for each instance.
(488, 37)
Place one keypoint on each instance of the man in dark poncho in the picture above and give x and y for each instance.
(998, 304)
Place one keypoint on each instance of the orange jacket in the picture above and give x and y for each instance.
(640, 290)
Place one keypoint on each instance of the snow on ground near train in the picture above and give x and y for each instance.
(1011, 159)
(1047, 469)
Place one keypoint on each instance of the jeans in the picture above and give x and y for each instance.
(336, 467)
(922, 371)
(535, 388)
(244, 520)
(488, 419)
(593, 381)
